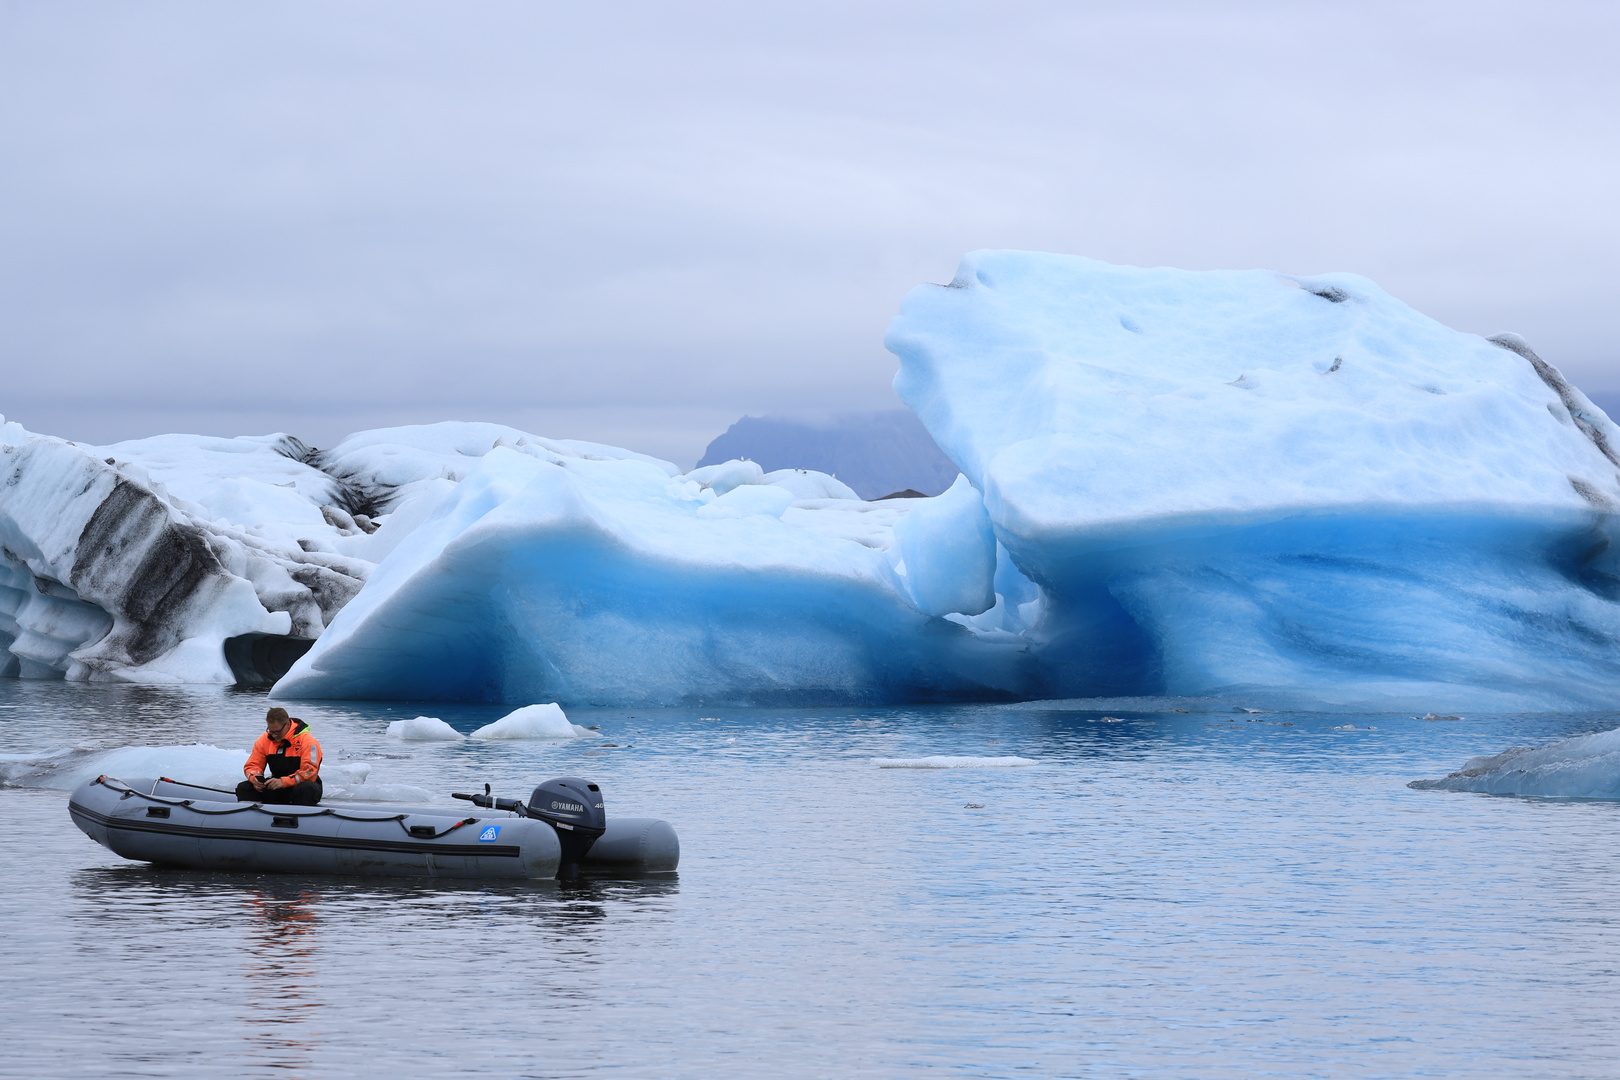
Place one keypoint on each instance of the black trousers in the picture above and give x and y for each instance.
(298, 795)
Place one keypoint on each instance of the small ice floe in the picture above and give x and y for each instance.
(1432, 716)
(1352, 727)
(381, 793)
(66, 769)
(1240, 708)
(424, 729)
(1583, 767)
(23, 770)
(1109, 720)
(345, 781)
(532, 722)
(347, 773)
(941, 761)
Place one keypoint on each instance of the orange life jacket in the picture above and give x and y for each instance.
(295, 757)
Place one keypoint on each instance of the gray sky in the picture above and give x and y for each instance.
(636, 222)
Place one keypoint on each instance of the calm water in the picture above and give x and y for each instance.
(1200, 895)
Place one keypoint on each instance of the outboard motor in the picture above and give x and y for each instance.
(573, 807)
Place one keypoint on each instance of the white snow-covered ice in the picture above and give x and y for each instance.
(137, 561)
(198, 763)
(1583, 767)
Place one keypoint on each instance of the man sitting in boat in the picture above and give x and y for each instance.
(294, 759)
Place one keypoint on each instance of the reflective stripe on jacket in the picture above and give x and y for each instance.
(296, 743)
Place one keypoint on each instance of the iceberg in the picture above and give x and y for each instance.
(1300, 485)
(476, 561)
(601, 580)
(1583, 767)
(1288, 491)
(108, 572)
(185, 558)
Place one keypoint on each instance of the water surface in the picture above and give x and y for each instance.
(1208, 894)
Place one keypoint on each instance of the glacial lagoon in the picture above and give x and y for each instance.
(1209, 893)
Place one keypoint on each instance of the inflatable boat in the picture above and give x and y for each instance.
(562, 831)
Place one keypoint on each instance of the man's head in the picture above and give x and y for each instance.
(276, 723)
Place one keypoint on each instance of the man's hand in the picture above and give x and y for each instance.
(273, 784)
(257, 782)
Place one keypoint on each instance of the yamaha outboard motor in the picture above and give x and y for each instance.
(574, 808)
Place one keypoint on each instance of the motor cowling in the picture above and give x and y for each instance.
(573, 807)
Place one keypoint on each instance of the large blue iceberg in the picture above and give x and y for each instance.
(1292, 490)
(1293, 487)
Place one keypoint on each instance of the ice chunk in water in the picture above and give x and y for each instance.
(379, 793)
(532, 722)
(946, 762)
(64, 770)
(424, 729)
(1583, 767)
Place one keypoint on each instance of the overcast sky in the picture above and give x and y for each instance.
(637, 222)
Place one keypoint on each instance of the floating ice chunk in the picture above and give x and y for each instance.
(532, 722)
(945, 762)
(387, 793)
(345, 772)
(66, 769)
(35, 770)
(1583, 767)
(424, 729)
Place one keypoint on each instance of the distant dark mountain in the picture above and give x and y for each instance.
(874, 453)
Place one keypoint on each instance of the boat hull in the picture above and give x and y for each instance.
(157, 822)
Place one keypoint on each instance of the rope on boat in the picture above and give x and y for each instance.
(191, 804)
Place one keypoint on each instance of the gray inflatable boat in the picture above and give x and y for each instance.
(561, 831)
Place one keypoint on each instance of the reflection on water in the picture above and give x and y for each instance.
(279, 962)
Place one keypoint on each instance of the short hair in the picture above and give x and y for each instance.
(277, 715)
